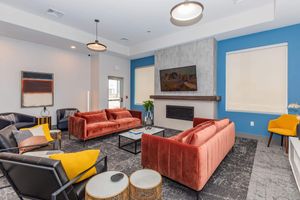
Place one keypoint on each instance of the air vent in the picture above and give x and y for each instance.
(55, 13)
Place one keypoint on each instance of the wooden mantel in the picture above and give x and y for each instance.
(187, 98)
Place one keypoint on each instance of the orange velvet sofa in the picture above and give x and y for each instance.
(190, 164)
(89, 125)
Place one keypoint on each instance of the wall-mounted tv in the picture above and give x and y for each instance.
(179, 79)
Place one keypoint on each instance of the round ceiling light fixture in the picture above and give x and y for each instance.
(96, 46)
(186, 13)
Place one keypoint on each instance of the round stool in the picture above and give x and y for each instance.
(145, 184)
(100, 187)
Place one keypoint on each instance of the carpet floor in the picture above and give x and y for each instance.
(230, 180)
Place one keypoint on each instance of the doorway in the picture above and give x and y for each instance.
(115, 92)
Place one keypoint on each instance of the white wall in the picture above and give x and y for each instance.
(71, 75)
(112, 65)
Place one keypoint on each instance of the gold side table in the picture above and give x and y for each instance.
(58, 136)
(44, 120)
(145, 184)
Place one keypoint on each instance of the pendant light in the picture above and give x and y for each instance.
(186, 13)
(96, 46)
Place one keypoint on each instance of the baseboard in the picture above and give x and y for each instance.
(276, 140)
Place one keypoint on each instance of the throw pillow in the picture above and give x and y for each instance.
(203, 135)
(95, 118)
(121, 114)
(69, 113)
(40, 130)
(76, 163)
(25, 138)
(10, 117)
(220, 124)
(185, 136)
(113, 110)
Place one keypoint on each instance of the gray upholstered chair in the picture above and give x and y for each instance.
(62, 119)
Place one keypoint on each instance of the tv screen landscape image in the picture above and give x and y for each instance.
(179, 79)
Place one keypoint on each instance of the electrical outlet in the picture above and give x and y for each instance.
(252, 123)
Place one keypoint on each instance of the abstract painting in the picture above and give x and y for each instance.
(37, 89)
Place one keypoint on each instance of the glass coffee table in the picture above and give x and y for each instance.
(133, 138)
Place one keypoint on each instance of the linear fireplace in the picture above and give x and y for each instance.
(180, 112)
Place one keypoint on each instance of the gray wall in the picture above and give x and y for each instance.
(200, 53)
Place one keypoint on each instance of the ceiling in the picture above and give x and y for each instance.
(132, 19)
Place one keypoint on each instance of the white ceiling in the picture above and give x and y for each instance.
(133, 18)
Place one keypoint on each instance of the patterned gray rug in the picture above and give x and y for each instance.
(230, 180)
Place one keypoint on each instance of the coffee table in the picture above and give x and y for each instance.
(100, 187)
(135, 139)
(145, 184)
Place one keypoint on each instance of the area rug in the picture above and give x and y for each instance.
(230, 180)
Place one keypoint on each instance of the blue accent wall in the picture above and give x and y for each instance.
(291, 35)
(141, 62)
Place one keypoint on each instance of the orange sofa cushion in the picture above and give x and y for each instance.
(113, 110)
(220, 124)
(186, 136)
(96, 128)
(81, 114)
(126, 123)
(203, 135)
(95, 118)
(121, 114)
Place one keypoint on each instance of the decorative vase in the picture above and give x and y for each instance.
(148, 120)
(45, 112)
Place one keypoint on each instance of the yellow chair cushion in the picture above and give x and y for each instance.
(281, 131)
(45, 128)
(76, 163)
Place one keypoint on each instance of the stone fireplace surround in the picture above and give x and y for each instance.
(201, 53)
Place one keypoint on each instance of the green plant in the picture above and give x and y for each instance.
(148, 105)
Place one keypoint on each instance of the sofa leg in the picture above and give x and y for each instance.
(197, 193)
(271, 135)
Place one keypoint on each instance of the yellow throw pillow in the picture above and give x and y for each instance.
(76, 163)
(36, 131)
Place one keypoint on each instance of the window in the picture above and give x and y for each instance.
(256, 80)
(115, 99)
(144, 83)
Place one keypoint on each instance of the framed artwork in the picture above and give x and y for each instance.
(37, 89)
(179, 79)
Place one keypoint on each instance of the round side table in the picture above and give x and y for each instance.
(100, 187)
(145, 184)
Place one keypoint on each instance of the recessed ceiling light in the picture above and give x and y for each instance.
(55, 13)
(73, 47)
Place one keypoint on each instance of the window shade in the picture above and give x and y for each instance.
(256, 80)
(144, 84)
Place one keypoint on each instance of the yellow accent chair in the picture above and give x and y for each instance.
(286, 126)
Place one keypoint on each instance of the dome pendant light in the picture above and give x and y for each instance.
(96, 46)
(186, 13)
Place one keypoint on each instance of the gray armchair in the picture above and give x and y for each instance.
(62, 120)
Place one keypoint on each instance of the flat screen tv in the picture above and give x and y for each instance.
(179, 79)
